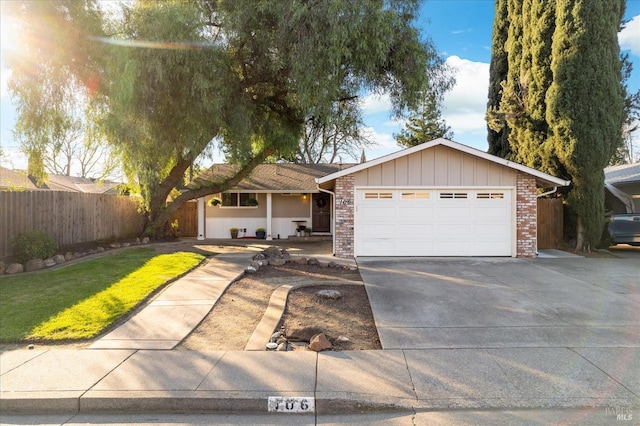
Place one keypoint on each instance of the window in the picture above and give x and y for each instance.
(239, 199)
(378, 195)
(415, 195)
(490, 195)
(451, 195)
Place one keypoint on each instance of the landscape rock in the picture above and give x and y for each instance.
(259, 256)
(319, 343)
(145, 240)
(69, 256)
(59, 258)
(301, 261)
(34, 265)
(126, 244)
(275, 336)
(303, 334)
(3, 267)
(137, 241)
(282, 347)
(115, 245)
(14, 268)
(250, 270)
(100, 249)
(93, 251)
(329, 294)
(277, 262)
(256, 265)
(313, 262)
(343, 339)
(48, 263)
(79, 254)
(332, 264)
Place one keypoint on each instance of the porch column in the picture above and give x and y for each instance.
(269, 204)
(201, 214)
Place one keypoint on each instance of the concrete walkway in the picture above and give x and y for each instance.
(179, 308)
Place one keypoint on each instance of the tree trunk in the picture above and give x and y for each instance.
(582, 244)
(159, 213)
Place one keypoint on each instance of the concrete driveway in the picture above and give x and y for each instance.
(422, 303)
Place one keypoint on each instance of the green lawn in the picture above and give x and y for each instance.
(80, 301)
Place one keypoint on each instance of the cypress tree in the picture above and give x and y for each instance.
(585, 104)
(498, 131)
(532, 131)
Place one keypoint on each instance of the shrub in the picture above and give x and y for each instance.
(33, 245)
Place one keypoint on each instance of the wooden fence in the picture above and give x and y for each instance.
(550, 223)
(187, 218)
(69, 217)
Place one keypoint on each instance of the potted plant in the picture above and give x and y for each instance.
(175, 229)
(234, 232)
(307, 231)
(215, 201)
(261, 233)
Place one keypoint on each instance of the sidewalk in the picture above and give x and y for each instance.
(161, 381)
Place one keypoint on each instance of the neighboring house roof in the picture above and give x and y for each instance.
(19, 180)
(275, 177)
(79, 184)
(16, 180)
(626, 173)
(542, 179)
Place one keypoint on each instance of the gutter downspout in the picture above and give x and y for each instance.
(553, 191)
(333, 215)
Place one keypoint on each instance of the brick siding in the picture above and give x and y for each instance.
(344, 216)
(526, 215)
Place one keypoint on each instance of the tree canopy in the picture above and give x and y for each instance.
(560, 99)
(178, 78)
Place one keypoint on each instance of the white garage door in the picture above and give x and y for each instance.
(433, 222)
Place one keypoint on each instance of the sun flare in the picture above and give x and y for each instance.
(9, 34)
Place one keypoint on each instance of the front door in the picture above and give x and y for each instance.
(321, 212)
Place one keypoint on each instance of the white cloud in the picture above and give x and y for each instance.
(374, 103)
(382, 140)
(629, 37)
(464, 107)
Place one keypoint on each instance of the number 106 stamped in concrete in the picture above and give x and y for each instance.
(283, 404)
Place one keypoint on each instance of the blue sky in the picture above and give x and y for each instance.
(461, 31)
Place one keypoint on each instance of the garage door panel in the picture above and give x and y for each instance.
(414, 213)
(377, 247)
(452, 213)
(452, 248)
(377, 213)
(378, 230)
(408, 230)
(465, 222)
(416, 248)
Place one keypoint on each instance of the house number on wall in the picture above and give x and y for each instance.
(345, 201)
(283, 404)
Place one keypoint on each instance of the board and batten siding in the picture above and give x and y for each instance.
(436, 167)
